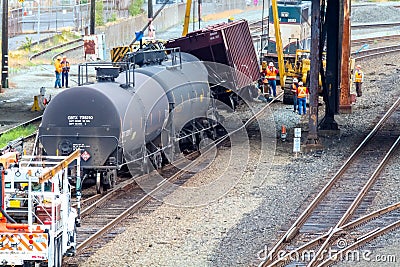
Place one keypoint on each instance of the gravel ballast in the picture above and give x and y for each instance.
(235, 229)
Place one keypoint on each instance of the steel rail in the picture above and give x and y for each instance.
(367, 238)
(376, 51)
(53, 48)
(22, 124)
(161, 186)
(369, 40)
(356, 202)
(351, 225)
(375, 25)
(293, 230)
(136, 206)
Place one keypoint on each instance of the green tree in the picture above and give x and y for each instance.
(135, 8)
(99, 19)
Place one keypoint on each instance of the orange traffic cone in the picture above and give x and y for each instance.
(283, 133)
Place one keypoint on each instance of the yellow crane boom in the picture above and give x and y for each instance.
(279, 47)
(187, 18)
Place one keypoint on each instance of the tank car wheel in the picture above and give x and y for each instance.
(113, 177)
(57, 253)
(99, 187)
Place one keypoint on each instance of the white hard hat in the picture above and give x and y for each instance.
(300, 83)
(295, 80)
(271, 64)
(358, 66)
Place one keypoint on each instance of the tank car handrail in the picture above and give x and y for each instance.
(174, 53)
(83, 70)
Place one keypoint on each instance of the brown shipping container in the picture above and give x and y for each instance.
(226, 43)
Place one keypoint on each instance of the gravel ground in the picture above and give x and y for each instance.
(274, 188)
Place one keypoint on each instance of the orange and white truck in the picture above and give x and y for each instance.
(37, 220)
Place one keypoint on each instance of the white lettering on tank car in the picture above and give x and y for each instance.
(76, 146)
(79, 120)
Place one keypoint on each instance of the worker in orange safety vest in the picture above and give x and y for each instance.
(65, 70)
(358, 80)
(270, 73)
(302, 93)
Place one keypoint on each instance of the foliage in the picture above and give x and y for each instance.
(135, 8)
(99, 18)
(15, 134)
(112, 18)
(27, 44)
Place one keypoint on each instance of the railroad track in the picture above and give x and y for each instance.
(373, 40)
(325, 224)
(107, 216)
(67, 49)
(375, 52)
(27, 141)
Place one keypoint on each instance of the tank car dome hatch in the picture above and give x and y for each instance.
(79, 114)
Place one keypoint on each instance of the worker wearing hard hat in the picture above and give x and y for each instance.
(270, 73)
(65, 71)
(58, 70)
(358, 80)
(302, 93)
(293, 88)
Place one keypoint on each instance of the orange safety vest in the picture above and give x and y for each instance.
(271, 73)
(65, 66)
(358, 76)
(301, 92)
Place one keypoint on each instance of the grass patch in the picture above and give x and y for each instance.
(135, 8)
(19, 59)
(15, 134)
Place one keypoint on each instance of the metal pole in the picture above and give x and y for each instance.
(92, 15)
(345, 83)
(199, 11)
(150, 17)
(262, 31)
(194, 14)
(81, 15)
(39, 21)
(4, 46)
(312, 138)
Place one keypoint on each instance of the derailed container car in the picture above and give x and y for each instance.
(229, 44)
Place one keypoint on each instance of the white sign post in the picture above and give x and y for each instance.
(297, 140)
